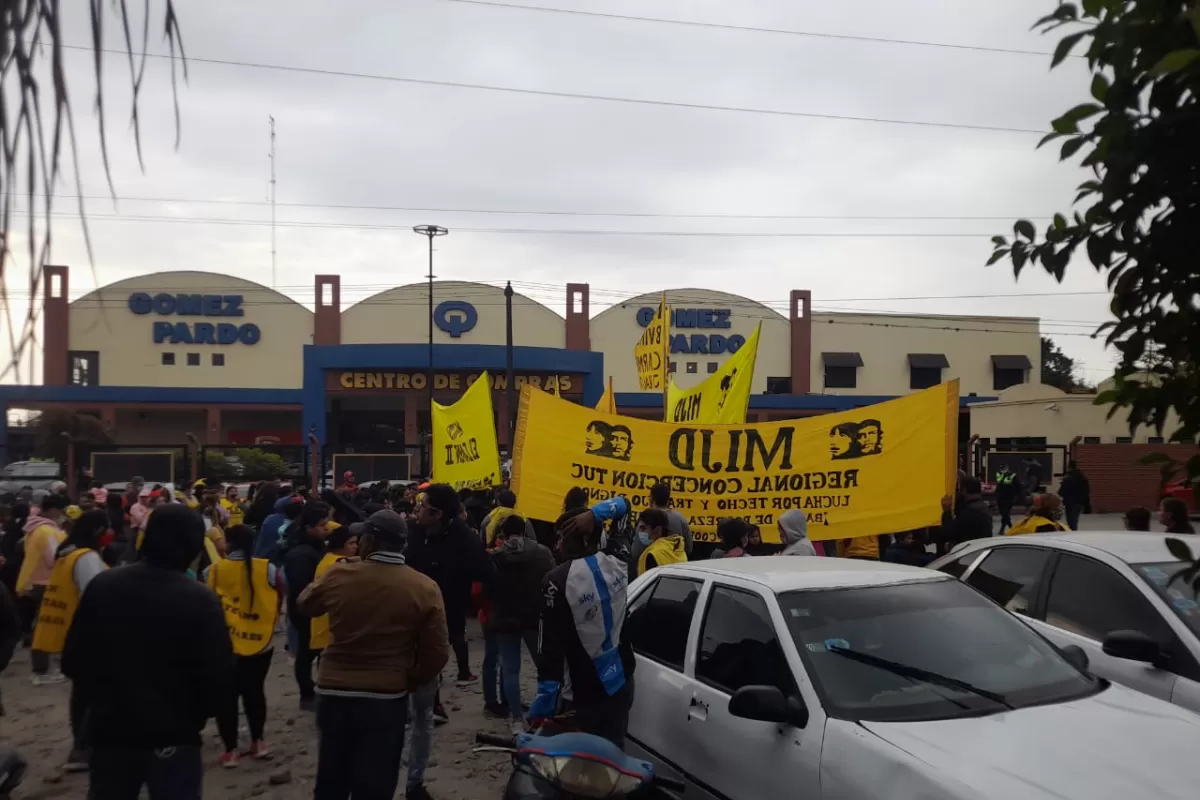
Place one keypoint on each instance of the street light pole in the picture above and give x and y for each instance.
(510, 392)
(431, 232)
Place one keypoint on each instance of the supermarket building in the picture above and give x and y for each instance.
(170, 356)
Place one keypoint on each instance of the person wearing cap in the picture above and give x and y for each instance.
(304, 549)
(387, 638)
(43, 535)
(149, 652)
(139, 510)
(448, 551)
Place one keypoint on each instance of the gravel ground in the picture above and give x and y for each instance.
(36, 722)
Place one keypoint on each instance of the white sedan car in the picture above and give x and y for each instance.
(776, 677)
(1111, 594)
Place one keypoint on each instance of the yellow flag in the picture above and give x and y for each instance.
(608, 400)
(723, 397)
(465, 452)
(879, 469)
(651, 351)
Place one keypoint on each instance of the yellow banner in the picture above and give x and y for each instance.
(651, 351)
(608, 400)
(465, 452)
(874, 470)
(723, 397)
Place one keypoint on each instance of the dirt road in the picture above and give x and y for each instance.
(36, 722)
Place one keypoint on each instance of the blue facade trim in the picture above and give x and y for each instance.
(15, 395)
(446, 357)
(788, 402)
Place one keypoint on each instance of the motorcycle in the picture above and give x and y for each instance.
(575, 765)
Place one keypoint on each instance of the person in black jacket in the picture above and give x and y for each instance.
(1076, 495)
(969, 519)
(10, 630)
(448, 551)
(150, 655)
(303, 551)
(908, 548)
(521, 565)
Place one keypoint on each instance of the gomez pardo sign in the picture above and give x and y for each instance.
(707, 319)
(196, 305)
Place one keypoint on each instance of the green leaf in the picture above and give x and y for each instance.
(1092, 7)
(1000, 240)
(1179, 549)
(1060, 221)
(1099, 251)
(1194, 16)
(1024, 227)
(1065, 45)
(1105, 397)
(1049, 137)
(1083, 111)
(1099, 87)
(1071, 147)
(996, 256)
(1174, 62)
(1018, 258)
(1065, 126)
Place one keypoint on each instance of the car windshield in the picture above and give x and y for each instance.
(1177, 594)
(923, 650)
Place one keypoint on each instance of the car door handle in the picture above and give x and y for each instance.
(697, 710)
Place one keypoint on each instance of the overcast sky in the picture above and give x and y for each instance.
(365, 142)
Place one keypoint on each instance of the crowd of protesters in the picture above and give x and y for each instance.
(163, 607)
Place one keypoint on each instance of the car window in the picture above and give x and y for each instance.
(1180, 595)
(660, 618)
(1092, 600)
(959, 566)
(923, 650)
(739, 645)
(1011, 576)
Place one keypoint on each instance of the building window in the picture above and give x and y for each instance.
(218, 359)
(925, 369)
(712, 367)
(1091, 440)
(779, 385)
(85, 367)
(1009, 371)
(691, 367)
(841, 370)
(168, 359)
(671, 367)
(841, 377)
(193, 359)
(924, 377)
(1124, 440)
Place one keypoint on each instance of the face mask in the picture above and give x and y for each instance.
(643, 538)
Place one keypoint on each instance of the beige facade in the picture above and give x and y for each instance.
(1038, 410)
(400, 315)
(884, 343)
(616, 330)
(117, 326)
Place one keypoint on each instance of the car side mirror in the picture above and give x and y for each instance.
(1076, 656)
(768, 704)
(1133, 646)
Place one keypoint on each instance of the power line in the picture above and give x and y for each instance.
(526, 231)
(749, 29)
(571, 95)
(559, 213)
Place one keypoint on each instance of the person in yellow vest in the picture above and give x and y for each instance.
(43, 535)
(864, 548)
(660, 547)
(340, 545)
(249, 589)
(1043, 517)
(77, 562)
(233, 506)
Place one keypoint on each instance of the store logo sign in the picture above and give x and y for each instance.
(455, 317)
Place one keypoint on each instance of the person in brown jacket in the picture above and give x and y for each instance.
(387, 638)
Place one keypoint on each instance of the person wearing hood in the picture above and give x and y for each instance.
(304, 549)
(150, 655)
(793, 532)
(969, 518)
(658, 545)
(77, 562)
(516, 604)
(43, 535)
(275, 526)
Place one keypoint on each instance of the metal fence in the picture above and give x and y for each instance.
(111, 464)
(372, 466)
